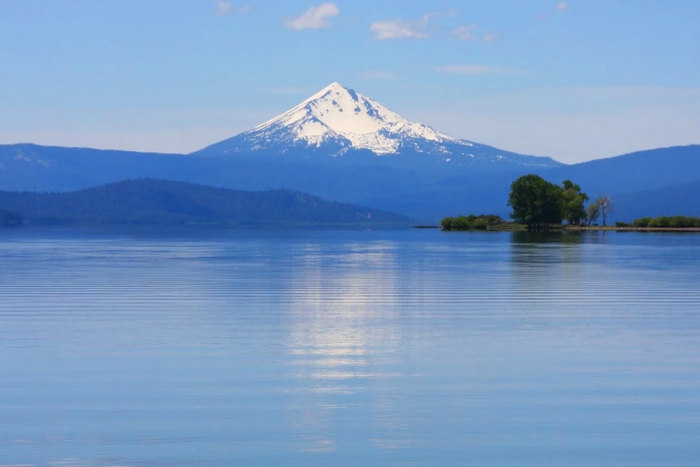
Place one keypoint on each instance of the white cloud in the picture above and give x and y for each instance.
(226, 8)
(223, 8)
(475, 70)
(397, 29)
(562, 6)
(491, 37)
(464, 33)
(406, 29)
(315, 17)
(376, 75)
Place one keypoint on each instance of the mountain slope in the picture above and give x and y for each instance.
(638, 171)
(424, 195)
(159, 202)
(339, 124)
(683, 200)
(656, 171)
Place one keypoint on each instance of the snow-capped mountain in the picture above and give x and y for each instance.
(342, 116)
(338, 122)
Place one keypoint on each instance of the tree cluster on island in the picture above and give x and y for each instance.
(538, 205)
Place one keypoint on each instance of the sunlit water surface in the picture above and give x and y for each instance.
(317, 348)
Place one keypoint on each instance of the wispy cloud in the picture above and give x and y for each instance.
(315, 17)
(397, 29)
(377, 75)
(223, 8)
(226, 8)
(475, 70)
(559, 8)
(464, 33)
(406, 29)
(490, 37)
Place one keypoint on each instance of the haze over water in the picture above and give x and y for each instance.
(349, 348)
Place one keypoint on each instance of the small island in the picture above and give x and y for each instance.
(538, 205)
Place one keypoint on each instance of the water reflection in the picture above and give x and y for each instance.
(409, 348)
(342, 335)
(555, 237)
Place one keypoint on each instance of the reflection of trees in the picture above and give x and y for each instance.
(548, 237)
(547, 272)
(342, 332)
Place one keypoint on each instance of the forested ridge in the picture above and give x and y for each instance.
(160, 202)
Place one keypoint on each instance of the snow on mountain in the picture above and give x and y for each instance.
(337, 120)
(338, 113)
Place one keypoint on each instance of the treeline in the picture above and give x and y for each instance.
(675, 222)
(471, 222)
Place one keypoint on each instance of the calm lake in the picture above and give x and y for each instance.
(355, 348)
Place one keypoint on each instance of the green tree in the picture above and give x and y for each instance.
(535, 202)
(662, 221)
(592, 212)
(573, 200)
(643, 222)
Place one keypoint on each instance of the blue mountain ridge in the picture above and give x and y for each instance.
(426, 196)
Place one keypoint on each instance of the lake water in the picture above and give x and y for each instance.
(317, 348)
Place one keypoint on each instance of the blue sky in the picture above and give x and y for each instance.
(574, 80)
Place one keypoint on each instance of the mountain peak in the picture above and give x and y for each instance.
(340, 114)
(337, 122)
(334, 86)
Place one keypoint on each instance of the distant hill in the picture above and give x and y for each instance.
(664, 201)
(656, 171)
(29, 167)
(382, 182)
(638, 171)
(166, 203)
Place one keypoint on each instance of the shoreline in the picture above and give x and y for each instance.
(631, 229)
(522, 228)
